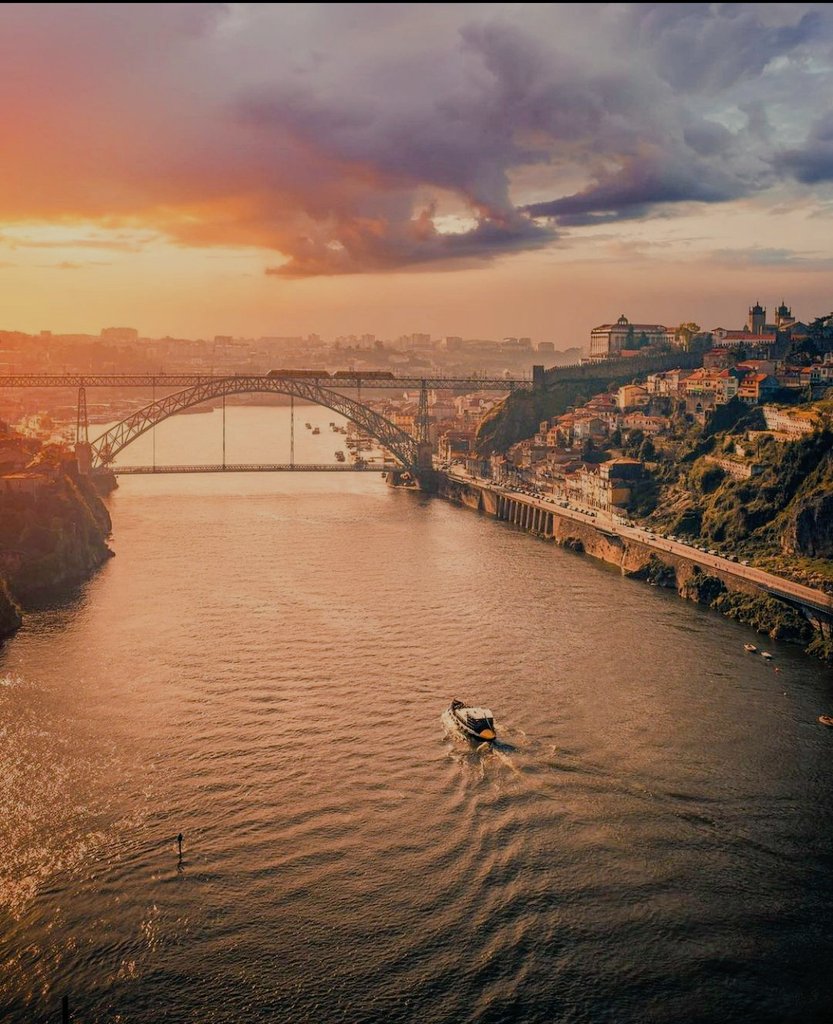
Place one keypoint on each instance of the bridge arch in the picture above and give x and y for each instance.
(400, 444)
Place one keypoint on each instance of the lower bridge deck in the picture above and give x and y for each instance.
(257, 467)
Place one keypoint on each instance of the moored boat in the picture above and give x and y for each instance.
(750, 648)
(767, 655)
(826, 720)
(476, 723)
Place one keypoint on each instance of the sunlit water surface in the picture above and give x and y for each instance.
(264, 668)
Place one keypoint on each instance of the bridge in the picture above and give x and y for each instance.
(257, 467)
(359, 380)
(411, 452)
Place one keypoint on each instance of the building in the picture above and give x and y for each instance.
(638, 420)
(607, 486)
(757, 387)
(608, 340)
(126, 335)
(631, 396)
(788, 421)
(743, 339)
(455, 444)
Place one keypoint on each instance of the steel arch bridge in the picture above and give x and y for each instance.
(404, 448)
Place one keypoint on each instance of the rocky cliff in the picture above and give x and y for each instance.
(53, 533)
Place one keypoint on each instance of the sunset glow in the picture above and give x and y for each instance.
(479, 170)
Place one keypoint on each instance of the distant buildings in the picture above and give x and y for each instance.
(124, 335)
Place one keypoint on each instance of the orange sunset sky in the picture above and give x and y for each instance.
(475, 169)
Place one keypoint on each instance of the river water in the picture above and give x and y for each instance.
(263, 667)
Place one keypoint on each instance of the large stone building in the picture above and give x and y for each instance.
(758, 335)
(610, 340)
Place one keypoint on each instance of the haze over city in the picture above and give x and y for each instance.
(481, 170)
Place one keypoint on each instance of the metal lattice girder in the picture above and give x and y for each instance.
(401, 445)
(183, 380)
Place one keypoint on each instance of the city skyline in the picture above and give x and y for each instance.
(476, 170)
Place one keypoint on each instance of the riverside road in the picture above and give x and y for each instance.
(606, 523)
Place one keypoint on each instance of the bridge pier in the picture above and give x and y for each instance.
(84, 457)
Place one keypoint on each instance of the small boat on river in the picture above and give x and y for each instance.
(476, 723)
(767, 656)
(826, 720)
(750, 648)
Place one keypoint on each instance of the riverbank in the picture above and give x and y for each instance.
(53, 536)
(772, 605)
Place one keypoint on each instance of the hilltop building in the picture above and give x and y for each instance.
(610, 340)
(758, 335)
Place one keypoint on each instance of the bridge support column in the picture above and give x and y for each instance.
(84, 457)
(422, 415)
(82, 423)
(425, 455)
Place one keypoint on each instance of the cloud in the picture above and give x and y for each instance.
(649, 178)
(811, 162)
(112, 242)
(74, 265)
(710, 47)
(760, 256)
(346, 139)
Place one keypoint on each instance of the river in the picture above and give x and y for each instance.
(263, 667)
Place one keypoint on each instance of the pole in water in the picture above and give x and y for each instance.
(291, 430)
(224, 431)
(179, 840)
(65, 1010)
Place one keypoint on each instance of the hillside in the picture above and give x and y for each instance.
(53, 532)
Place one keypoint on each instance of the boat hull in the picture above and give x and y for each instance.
(468, 732)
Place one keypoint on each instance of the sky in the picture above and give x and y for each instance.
(467, 169)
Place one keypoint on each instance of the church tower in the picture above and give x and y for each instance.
(783, 315)
(757, 319)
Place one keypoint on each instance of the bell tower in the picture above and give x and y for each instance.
(757, 319)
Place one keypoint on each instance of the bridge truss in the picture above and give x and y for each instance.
(402, 446)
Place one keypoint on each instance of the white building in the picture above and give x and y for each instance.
(608, 340)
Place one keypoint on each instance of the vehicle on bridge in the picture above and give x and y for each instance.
(298, 373)
(363, 375)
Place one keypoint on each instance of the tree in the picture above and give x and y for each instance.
(642, 340)
(635, 439)
(819, 336)
(685, 332)
(616, 438)
(588, 449)
(629, 338)
(647, 451)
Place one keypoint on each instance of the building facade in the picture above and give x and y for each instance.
(609, 340)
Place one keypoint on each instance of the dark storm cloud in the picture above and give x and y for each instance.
(811, 162)
(643, 182)
(351, 138)
(713, 46)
